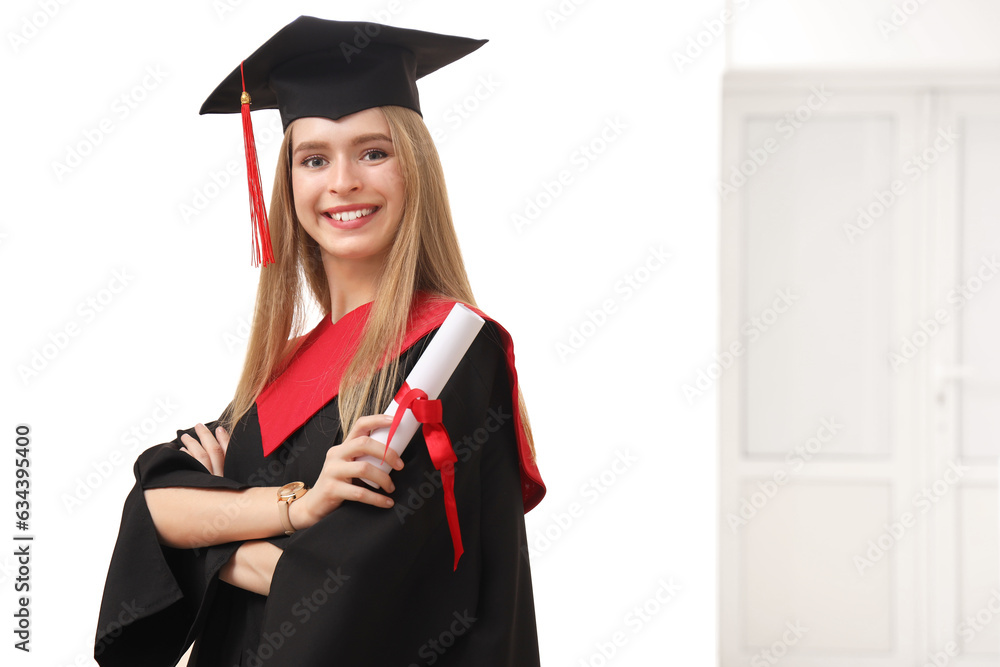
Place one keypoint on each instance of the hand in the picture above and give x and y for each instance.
(211, 451)
(334, 485)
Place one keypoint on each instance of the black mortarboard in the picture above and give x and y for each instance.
(316, 67)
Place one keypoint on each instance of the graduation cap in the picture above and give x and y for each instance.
(330, 69)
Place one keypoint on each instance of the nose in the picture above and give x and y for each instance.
(343, 177)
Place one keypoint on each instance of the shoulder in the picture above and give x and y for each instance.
(492, 345)
(492, 327)
(492, 353)
(494, 332)
(496, 336)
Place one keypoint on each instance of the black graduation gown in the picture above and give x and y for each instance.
(365, 585)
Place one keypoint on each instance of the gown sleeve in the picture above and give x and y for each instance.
(373, 586)
(155, 595)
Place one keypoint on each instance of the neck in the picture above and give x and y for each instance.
(352, 283)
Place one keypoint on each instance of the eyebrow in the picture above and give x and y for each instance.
(360, 139)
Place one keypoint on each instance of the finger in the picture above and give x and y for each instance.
(363, 469)
(208, 445)
(367, 446)
(366, 425)
(373, 447)
(212, 447)
(362, 495)
(193, 448)
(223, 437)
(196, 450)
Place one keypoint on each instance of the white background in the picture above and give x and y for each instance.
(168, 335)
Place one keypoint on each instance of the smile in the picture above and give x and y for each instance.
(345, 217)
(348, 216)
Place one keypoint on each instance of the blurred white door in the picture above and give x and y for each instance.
(858, 382)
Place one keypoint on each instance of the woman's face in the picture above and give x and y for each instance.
(347, 186)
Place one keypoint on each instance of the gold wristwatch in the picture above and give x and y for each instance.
(286, 495)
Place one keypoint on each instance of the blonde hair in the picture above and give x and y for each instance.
(425, 256)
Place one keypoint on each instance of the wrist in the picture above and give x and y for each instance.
(252, 566)
(300, 514)
(261, 558)
(287, 497)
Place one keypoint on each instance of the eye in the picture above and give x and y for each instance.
(373, 154)
(313, 161)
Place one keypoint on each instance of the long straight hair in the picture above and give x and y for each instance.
(425, 255)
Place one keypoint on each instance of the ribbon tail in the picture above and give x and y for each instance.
(428, 413)
(451, 509)
(443, 457)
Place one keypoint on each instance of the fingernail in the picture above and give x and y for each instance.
(388, 501)
(398, 465)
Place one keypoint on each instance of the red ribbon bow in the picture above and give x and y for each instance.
(428, 413)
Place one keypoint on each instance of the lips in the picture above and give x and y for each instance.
(350, 217)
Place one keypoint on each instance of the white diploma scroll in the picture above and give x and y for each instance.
(430, 373)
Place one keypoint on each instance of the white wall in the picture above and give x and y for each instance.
(802, 34)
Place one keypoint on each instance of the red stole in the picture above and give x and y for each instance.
(312, 379)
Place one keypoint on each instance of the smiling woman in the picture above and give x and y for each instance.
(252, 536)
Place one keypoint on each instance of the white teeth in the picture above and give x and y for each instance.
(347, 216)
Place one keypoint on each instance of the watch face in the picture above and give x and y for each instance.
(291, 490)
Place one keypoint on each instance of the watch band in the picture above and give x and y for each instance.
(286, 496)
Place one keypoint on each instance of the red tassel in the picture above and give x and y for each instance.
(258, 212)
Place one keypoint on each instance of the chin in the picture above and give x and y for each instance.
(355, 254)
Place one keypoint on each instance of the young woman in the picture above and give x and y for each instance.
(253, 536)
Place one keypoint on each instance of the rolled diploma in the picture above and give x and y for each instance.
(430, 373)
